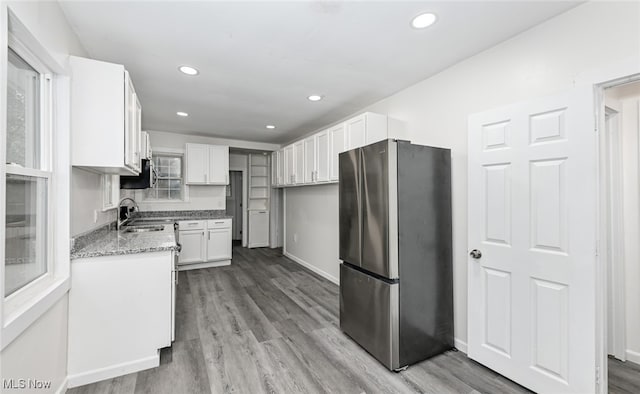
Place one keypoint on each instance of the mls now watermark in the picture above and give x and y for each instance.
(20, 384)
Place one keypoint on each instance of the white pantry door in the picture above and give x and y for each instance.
(532, 216)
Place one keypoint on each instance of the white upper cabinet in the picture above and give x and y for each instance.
(298, 162)
(207, 164)
(218, 165)
(338, 144)
(146, 146)
(274, 168)
(322, 156)
(277, 168)
(356, 132)
(288, 166)
(309, 159)
(105, 118)
(197, 158)
(315, 159)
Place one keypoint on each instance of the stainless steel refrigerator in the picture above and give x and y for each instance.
(396, 279)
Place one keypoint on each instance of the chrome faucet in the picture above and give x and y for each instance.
(127, 214)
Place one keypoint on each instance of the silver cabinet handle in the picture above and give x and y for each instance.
(209, 235)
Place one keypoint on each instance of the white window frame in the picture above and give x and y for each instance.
(21, 308)
(141, 196)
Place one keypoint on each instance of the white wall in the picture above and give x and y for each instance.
(177, 140)
(541, 61)
(200, 197)
(40, 352)
(86, 202)
(311, 228)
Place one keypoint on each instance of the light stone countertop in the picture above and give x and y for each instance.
(107, 241)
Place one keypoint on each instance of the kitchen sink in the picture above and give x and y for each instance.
(143, 229)
(144, 221)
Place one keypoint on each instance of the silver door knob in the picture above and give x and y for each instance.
(475, 253)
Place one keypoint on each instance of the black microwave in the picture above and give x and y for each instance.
(147, 178)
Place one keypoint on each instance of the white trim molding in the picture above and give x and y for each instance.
(62, 389)
(632, 356)
(113, 371)
(313, 268)
(460, 345)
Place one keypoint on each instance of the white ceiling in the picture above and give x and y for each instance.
(259, 61)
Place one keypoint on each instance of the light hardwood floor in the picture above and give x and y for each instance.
(267, 325)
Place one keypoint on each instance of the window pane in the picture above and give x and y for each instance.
(23, 113)
(175, 194)
(26, 231)
(175, 167)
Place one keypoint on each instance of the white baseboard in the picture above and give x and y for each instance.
(211, 264)
(63, 387)
(460, 345)
(632, 356)
(110, 372)
(313, 268)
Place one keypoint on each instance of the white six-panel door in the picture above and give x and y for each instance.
(532, 216)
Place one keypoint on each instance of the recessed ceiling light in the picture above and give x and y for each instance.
(180, 113)
(315, 97)
(188, 70)
(270, 126)
(424, 20)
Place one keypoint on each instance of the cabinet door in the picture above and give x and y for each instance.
(274, 168)
(280, 170)
(258, 229)
(130, 126)
(197, 163)
(309, 160)
(322, 156)
(298, 160)
(218, 165)
(356, 132)
(337, 139)
(288, 165)
(219, 244)
(193, 246)
(137, 154)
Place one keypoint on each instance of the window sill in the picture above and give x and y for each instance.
(19, 317)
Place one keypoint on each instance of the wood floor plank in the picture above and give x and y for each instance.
(121, 385)
(186, 373)
(375, 377)
(186, 317)
(266, 324)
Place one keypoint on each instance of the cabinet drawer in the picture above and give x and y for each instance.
(191, 225)
(219, 223)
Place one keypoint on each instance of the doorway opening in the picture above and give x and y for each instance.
(620, 227)
(234, 205)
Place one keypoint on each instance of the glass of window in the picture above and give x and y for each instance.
(23, 113)
(27, 178)
(25, 236)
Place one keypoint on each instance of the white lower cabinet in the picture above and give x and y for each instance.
(218, 244)
(120, 314)
(258, 229)
(205, 243)
(193, 246)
